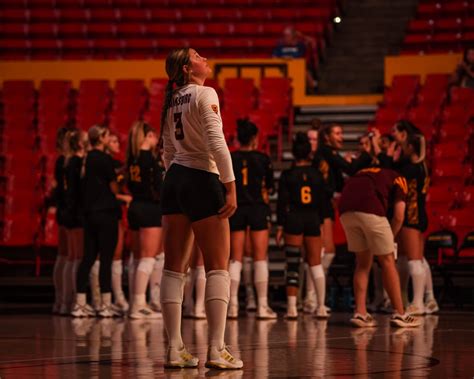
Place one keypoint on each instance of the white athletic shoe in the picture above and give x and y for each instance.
(222, 359)
(291, 314)
(251, 305)
(122, 305)
(82, 311)
(431, 306)
(108, 311)
(321, 313)
(144, 313)
(414, 310)
(199, 314)
(180, 358)
(375, 306)
(361, 321)
(309, 305)
(404, 321)
(233, 311)
(266, 313)
(328, 310)
(155, 307)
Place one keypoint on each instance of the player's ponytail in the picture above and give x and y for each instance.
(174, 69)
(136, 136)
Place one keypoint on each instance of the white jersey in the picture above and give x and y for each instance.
(193, 135)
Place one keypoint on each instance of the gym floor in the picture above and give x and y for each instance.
(39, 345)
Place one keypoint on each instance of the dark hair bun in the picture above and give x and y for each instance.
(246, 130)
(301, 146)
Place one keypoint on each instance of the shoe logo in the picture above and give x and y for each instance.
(145, 312)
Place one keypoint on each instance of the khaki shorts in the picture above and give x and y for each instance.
(365, 231)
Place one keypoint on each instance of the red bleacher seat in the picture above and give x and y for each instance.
(461, 96)
(449, 172)
(457, 113)
(461, 221)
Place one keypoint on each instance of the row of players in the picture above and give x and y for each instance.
(305, 219)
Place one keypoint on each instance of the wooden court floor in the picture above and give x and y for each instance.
(44, 346)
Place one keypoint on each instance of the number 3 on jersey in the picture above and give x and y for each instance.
(178, 130)
(306, 195)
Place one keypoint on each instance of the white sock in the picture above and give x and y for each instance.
(200, 284)
(326, 260)
(58, 278)
(142, 275)
(217, 300)
(261, 282)
(378, 284)
(403, 271)
(235, 267)
(418, 277)
(106, 299)
(139, 300)
(81, 299)
(117, 271)
(172, 285)
(291, 302)
(319, 280)
(94, 284)
(429, 293)
(188, 290)
(310, 292)
(155, 278)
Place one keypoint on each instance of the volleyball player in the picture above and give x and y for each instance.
(197, 161)
(412, 165)
(73, 211)
(58, 195)
(195, 282)
(254, 181)
(300, 206)
(247, 275)
(100, 223)
(145, 176)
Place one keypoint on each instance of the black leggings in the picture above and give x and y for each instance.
(100, 237)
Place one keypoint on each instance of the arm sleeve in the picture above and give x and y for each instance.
(283, 200)
(208, 104)
(269, 179)
(168, 147)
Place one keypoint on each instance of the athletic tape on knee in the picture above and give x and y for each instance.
(172, 286)
(200, 273)
(235, 268)
(416, 267)
(293, 260)
(117, 268)
(218, 286)
(95, 268)
(260, 271)
(146, 265)
(318, 271)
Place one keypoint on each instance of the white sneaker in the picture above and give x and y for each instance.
(431, 306)
(361, 321)
(266, 313)
(375, 306)
(328, 310)
(222, 359)
(404, 321)
(122, 305)
(321, 313)
(108, 311)
(82, 311)
(251, 305)
(233, 311)
(155, 307)
(291, 314)
(144, 313)
(309, 305)
(199, 314)
(180, 358)
(415, 310)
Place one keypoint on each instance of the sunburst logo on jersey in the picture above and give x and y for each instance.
(215, 108)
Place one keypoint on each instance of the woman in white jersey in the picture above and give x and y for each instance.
(198, 167)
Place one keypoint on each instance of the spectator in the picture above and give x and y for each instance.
(464, 74)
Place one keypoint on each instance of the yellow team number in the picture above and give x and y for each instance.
(245, 176)
(306, 195)
(135, 173)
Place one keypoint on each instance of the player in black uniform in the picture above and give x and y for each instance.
(101, 211)
(58, 197)
(412, 166)
(73, 216)
(145, 176)
(300, 204)
(254, 181)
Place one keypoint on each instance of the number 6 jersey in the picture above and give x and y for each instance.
(193, 135)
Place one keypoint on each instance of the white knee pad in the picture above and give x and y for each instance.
(416, 267)
(218, 286)
(235, 268)
(146, 265)
(260, 271)
(318, 271)
(172, 286)
(200, 273)
(95, 268)
(117, 268)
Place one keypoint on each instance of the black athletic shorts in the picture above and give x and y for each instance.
(195, 193)
(328, 211)
(144, 214)
(255, 216)
(306, 222)
(72, 218)
(60, 216)
(418, 219)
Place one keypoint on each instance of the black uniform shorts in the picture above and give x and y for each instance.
(195, 193)
(255, 216)
(306, 222)
(144, 214)
(416, 218)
